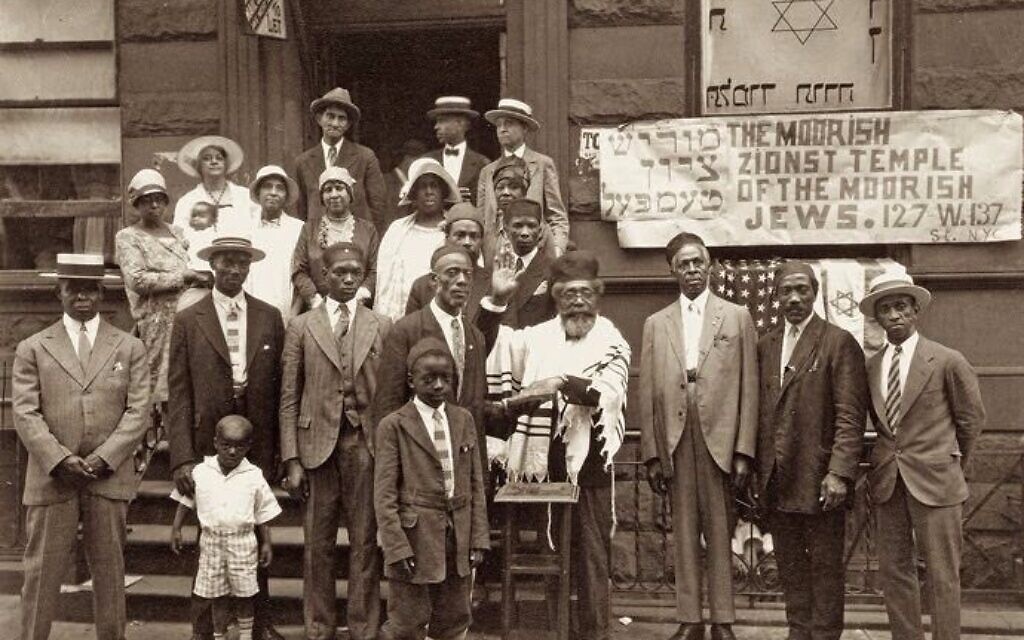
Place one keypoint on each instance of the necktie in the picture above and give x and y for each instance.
(787, 353)
(892, 395)
(444, 453)
(332, 155)
(451, 151)
(84, 348)
(232, 334)
(341, 324)
(520, 265)
(458, 351)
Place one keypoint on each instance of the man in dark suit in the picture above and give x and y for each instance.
(81, 406)
(453, 116)
(225, 359)
(532, 302)
(814, 401)
(336, 115)
(926, 406)
(327, 442)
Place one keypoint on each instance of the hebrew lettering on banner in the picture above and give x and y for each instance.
(884, 177)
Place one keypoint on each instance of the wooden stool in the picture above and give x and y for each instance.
(554, 565)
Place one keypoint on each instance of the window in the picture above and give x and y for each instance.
(59, 118)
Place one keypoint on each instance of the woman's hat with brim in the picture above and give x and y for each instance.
(339, 97)
(188, 157)
(80, 266)
(453, 106)
(336, 174)
(892, 283)
(512, 108)
(145, 182)
(277, 172)
(425, 166)
(226, 243)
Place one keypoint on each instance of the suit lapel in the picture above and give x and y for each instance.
(674, 326)
(455, 431)
(413, 425)
(803, 351)
(431, 327)
(530, 279)
(320, 328)
(712, 322)
(920, 371)
(364, 329)
(774, 361)
(346, 155)
(58, 344)
(209, 324)
(255, 327)
(107, 340)
(877, 399)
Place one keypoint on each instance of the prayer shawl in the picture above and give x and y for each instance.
(522, 357)
(393, 280)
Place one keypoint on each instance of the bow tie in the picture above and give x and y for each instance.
(451, 151)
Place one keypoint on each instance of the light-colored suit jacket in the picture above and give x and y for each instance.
(311, 382)
(727, 383)
(543, 189)
(59, 410)
(941, 416)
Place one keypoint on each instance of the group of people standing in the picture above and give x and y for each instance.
(364, 369)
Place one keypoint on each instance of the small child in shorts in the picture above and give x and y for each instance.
(234, 503)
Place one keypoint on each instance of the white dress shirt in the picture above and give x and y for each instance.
(453, 164)
(517, 152)
(240, 498)
(270, 279)
(74, 327)
(427, 415)
(445, 320)
(786, 338)
(693, 325)
(327, 151)
(222, 304)
(332, 310)
(906, 355)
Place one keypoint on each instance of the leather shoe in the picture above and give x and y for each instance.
(267, 632)
(689, 631)
(722, 632)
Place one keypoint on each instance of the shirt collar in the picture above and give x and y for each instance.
(426, 411)
(461, 147)
(800, 327)
(243, 467)
(909, 345)
(332, 306)
(443, 317)
(73, 326)
(327, 147)
(528, 258)
(271, 223)
(518, 152)
(222, 300)
(701, 301)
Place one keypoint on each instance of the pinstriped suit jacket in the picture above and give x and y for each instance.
(59, 410)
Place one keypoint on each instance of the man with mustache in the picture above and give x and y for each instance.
(581, 358)
(698, 407)
(814, 400)
(276, 233)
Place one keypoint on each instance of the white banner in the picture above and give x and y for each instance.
(861, 178)
(774, 56)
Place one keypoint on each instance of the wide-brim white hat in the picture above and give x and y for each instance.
(188, 157)
(891, 283)
(277, 172)
(512, 108)
(424, 166)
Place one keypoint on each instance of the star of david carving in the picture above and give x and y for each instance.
(844, 304)
(803, 18)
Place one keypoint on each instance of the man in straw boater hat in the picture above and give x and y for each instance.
(453, 116)
(225, 359)
(927, 409)
(81, 406)
(512, 119)
(814, 401)
(336, 114)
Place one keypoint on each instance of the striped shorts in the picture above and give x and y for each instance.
(227, 563)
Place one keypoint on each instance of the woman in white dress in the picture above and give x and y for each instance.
(212, 159)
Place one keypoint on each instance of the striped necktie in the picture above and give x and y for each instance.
(341, 324)
(232, 334)
(893, 394)
(458, 352)
(444, 453)
(84, 348)
(332, 155)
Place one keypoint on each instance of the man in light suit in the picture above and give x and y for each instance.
(336, 114)
(814, 402)
(80, 400)
(512, 119)
(330, 362)
(453, 116)
(225, 359)
(698, 407)
(926, 406)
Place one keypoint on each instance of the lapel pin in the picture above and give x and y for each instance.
(118, 366)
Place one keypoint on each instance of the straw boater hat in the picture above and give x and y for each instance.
(274, 170)
(512, 108)
(188, 157)
(339, 97)
(235, 242)
(80, 266)
(890, 283)
(145, 182)
(453, 106)
(422, 167)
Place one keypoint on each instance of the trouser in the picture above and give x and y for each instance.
(52, 530)
(441, 609)
(903, 523)
(809, 550)
(701, 504)
(342, 485)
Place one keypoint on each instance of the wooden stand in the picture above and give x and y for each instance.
(517, 495)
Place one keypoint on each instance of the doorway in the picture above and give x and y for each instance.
(394, 77)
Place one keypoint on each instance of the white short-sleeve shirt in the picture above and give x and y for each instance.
(239, 499)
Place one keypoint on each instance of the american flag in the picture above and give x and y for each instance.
(749, 283)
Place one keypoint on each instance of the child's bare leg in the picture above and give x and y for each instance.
(244, 611)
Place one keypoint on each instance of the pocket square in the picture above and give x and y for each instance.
(542, 288)
(266, 347)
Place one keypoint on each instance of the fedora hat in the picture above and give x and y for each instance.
(80, 266)
(278, 172)
(512, 108)
(890, 283)
(188, 157)
(336, 96)
(230, 243)
(453, 105)
(425, 166)
(145, 182)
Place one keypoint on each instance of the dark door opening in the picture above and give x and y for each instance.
(394, 77)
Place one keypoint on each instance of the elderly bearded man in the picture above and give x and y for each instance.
(582, 357)
(698, 408)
